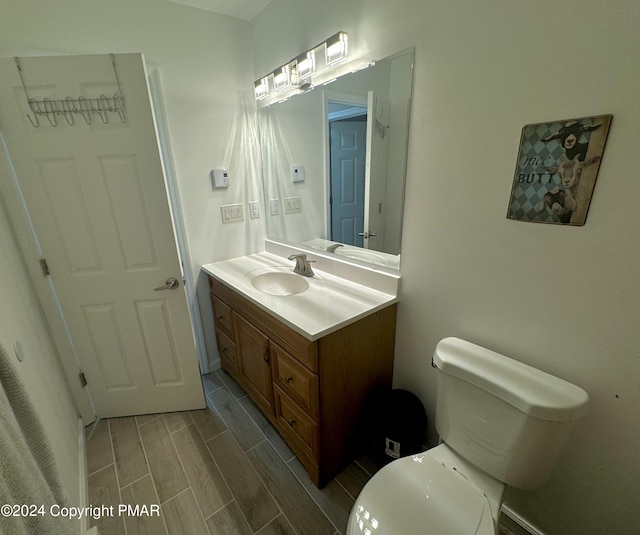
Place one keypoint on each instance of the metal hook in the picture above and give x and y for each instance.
(103, 108)
(50, 113)
(35, 124)
(67, 110)
(32, 103)
(71, 104)
(108, 103)
(84, 110)
(118, 103)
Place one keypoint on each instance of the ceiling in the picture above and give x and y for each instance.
(241, 9)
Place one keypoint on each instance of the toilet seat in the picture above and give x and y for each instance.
(418, 495)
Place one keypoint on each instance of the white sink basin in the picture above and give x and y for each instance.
(278, 282)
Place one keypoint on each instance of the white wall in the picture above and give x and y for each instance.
(204, 60)
(566, 300)
(21, 321)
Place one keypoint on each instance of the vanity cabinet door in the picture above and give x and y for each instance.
(254, 362)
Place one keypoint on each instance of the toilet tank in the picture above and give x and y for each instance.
(507, 418)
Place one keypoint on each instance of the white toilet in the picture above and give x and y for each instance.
(500, 422)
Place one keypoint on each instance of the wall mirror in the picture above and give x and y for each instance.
(334, 163)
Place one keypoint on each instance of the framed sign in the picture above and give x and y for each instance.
(556, 171)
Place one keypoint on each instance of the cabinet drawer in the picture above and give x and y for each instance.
(296, 380)
(223, 317)
(227, 350)
(296, 425)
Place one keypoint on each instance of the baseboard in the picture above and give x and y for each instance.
(215, 364)
(512, 523)
(84, 477)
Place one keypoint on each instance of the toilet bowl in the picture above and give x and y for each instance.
(429, 493)
(500, 423)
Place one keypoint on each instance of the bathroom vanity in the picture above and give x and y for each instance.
(309, 360)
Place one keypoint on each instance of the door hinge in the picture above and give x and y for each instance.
(83, 380)
(44, 267)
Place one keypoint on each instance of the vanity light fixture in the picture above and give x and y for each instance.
(336, 48)
(297, 73)
(282, 78)
(261, 88)
(306, 65)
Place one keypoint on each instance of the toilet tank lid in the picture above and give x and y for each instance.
(532, 391)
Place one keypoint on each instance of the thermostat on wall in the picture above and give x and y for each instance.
(220, 178)
(297, 173)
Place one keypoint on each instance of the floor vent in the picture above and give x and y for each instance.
(511, 523)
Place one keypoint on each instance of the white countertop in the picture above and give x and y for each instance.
(329, 304)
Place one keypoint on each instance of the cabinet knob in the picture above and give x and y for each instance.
(288, 379)
(292, 423)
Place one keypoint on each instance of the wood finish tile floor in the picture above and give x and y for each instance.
(219, 470)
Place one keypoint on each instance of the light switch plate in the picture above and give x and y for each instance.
(254, 209)
(232, 213)
(274, 206)
(292, 205)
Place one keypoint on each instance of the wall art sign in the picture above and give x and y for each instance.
(556, 171)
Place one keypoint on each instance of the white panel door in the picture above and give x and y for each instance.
(96, 196)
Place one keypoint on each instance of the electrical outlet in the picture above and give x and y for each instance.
(392, 448)
(292, 205)
(232, 213)
(254, 209)
(274, 206)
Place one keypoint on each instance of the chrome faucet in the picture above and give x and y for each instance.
(332, 248)
(303, 266)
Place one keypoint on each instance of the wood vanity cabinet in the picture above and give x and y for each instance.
(313, 392)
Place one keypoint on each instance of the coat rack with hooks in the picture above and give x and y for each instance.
(69, 108)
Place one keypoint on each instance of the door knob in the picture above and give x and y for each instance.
(366, 235)
(170, 284)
